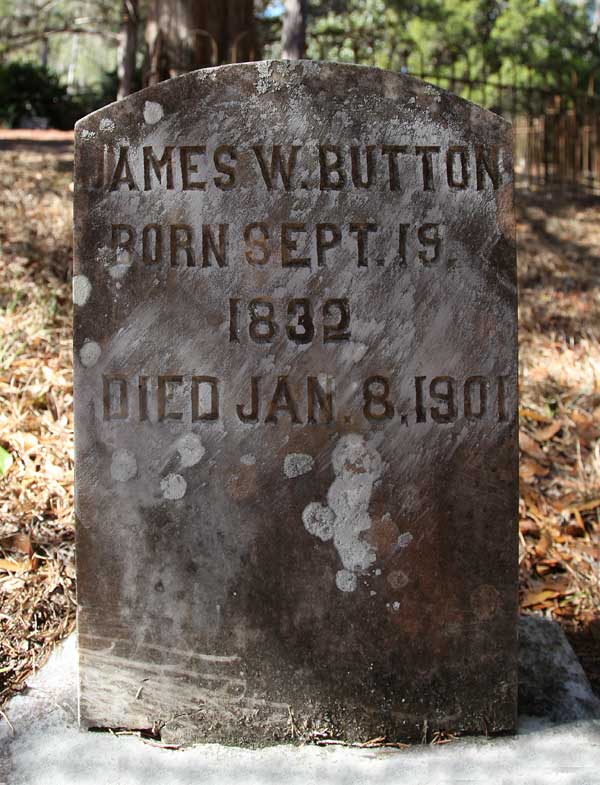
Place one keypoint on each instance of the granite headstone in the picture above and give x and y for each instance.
(296, 395)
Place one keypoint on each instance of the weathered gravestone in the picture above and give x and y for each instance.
(295, 356)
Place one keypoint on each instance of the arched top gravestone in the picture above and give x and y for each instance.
(296, 392)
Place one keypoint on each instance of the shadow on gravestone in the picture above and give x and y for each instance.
(552, 683)
(295, 408)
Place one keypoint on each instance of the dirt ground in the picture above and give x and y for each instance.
(559, 270)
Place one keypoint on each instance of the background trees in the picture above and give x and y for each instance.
(99, 49)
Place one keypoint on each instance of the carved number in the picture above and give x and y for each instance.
(263, 324)
(445, 393)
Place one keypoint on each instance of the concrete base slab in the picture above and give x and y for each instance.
(45, 747)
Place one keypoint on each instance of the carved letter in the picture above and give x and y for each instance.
(324, 245)
(223, 168)
(213, 384)
(209, 245)
(261, 243)
(392, 151)
(329, 167)
(182, 244)
(122, 174)
(278, 165)
(461, 152)
(254, 403)
(288, 245)
(121, 410)
(317, 396)
(150, 160)
(428, 178)
(359, 180)
(188, 168)
(362, 233)
(487, 162)
(282, 401)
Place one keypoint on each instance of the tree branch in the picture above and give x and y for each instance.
(16, 40)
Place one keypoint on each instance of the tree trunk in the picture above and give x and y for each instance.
(183, 35)
(127, 48)
(293, 34)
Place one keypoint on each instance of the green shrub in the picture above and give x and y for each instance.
(28, 90)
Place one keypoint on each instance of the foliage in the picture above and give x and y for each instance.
(544, 43)
(6, 461)
(24, 22)
(28, 90)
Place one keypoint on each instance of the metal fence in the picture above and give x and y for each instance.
(556, 121)
(556, 131)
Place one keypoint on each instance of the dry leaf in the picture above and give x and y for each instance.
(531, 447)
(529, 469)
(530, 414)
(539, 597)
(10, 565)
(19, 542)
(584, 507)
(544, 544)
(544, 434)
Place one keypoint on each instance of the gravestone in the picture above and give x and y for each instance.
(295, 393)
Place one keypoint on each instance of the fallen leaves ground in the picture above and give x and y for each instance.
(559, 238)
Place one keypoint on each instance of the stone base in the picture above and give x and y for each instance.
(47, 748)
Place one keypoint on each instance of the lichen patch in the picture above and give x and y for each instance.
(173, 487)
(89, 354)
(153, 112)
(357, 467)
(82, 288)
(190, 449)
(123, 466)
(296, 464)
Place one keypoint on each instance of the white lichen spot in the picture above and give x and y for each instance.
(345, 580)
(372, 593)
(405, 539)
(357, 467)
(397, 579)
(106, 124)
(119, 270)
(264, 77)
(318, 520)
(87, 134)
(173, 487)
(89, 354)
(153, 112)
(190, 449)
(82, 289)
(123, 466)
(296, 464)
(121, 266)
(248, 459)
